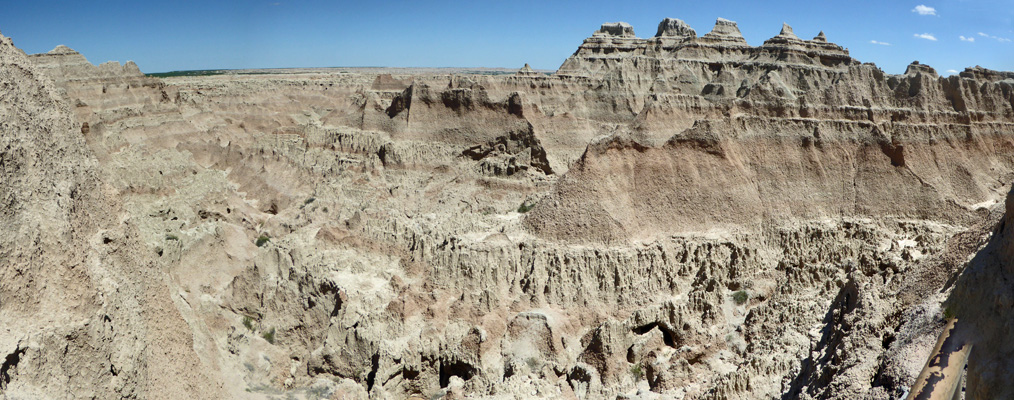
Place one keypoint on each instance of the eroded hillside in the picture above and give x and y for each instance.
(673, 217)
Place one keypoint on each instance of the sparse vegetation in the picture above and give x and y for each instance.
(248, 322)
(740, 297)
(269, 335)
(533, 363)
(198, 72)
(949, 312)
(262, 240)
(525, 207)
(492, 73)
(171, 237)
(637, 371)
(318, 392)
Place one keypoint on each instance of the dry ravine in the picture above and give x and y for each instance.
(678, 217)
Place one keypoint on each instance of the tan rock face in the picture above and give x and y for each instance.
(617, 29)
(82, 309)
(672, 217)
(671, 27)
(822, 125)
(981, 302)
(726, 33)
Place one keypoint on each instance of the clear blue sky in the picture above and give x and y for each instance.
(177, 35)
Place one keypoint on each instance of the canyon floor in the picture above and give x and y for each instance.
(679, 217)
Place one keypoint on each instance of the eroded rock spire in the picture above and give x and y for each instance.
(725, 32)
(787, 32)
(672, 27)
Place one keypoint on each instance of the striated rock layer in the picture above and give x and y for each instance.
(672, 217)
(793, 128)
(84, 310)
(982, 302)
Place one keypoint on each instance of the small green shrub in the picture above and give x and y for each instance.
(740, 297)
(318, 392)
(248, 322)
(262, 240)
(949, 312)
(637, 371)
(269, 335)
(523, 208)
(171, 237)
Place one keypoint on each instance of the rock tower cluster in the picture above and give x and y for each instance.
(675, 40)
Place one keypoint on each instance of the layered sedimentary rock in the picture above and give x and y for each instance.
(725, 33)
(526, 71)
(84, 312)
(676, 44)
(674, 28)
(982, 303)
(797, 123)
(615, 29)
(670, 217)
(66, 64)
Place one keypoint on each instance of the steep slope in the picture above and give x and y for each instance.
(673, 217)
(983, 302)
(731, 137)
(85, 311)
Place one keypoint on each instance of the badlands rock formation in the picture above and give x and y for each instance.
(85, 308)
(681, 216)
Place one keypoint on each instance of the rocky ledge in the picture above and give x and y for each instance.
(676, 40)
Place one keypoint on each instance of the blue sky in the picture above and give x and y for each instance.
(179, 35)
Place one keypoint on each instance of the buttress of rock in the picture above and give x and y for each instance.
(617, 29)
(786, 37)
(675, 28)
(787, 32)
(915, 68)
(725, 32)
(527, 71)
